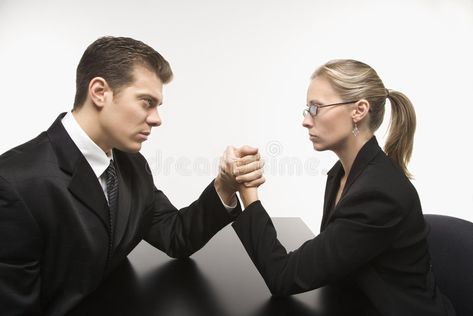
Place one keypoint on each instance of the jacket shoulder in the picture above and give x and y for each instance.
(28, 156)
(383, 177)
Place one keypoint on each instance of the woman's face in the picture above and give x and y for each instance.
(332, 127)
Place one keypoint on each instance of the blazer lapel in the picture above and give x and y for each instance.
(365, 155)
(84, 185)
(333, 179)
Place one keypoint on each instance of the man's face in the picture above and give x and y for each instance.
(126, 120)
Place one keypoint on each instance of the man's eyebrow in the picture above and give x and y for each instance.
(155, 100)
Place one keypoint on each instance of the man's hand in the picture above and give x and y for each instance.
(238, 166)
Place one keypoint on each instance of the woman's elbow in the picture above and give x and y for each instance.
(279, 290)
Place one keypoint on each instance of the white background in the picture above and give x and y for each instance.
(241, 74)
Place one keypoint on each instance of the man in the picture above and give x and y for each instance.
(75, 200)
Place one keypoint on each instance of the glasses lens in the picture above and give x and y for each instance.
(313, 110)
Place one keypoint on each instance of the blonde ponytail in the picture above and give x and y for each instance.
(402, 127)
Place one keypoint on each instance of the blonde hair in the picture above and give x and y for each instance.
(354, 80)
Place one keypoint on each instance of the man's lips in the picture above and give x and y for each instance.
(144, 135)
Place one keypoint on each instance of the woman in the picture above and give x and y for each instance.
(372, 242)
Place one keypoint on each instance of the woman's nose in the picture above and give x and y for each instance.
(308, 121)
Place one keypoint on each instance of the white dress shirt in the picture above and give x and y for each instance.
(94, 155)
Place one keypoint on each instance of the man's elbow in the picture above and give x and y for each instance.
(180, 255)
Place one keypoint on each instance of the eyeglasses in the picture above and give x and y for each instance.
(313, 109)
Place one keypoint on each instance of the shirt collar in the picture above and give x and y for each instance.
(94, 155)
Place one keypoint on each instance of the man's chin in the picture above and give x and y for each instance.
(132, 149)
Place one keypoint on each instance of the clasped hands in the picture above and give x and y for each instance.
(240, 170)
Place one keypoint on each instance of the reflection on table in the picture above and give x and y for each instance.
(218, 280)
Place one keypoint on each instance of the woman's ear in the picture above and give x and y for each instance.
(360, 111)
(98, 91)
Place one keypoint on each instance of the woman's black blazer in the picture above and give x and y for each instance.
(372, 243)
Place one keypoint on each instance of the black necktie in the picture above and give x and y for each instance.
(112, 192)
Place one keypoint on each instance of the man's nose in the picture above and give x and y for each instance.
(153, 118)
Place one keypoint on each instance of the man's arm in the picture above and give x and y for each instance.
(182, 232)
(20, 250)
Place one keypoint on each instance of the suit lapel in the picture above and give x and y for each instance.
(84, 185)
(125, 178)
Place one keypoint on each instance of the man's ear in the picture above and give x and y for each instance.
(99, 91)
(360, 110)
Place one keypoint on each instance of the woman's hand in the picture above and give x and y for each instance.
(241, 169)
(248, 195)
(249, 175)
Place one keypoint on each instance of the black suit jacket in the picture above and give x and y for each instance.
(372, 244)
(55, 236)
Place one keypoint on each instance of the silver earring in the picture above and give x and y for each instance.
(355, 130)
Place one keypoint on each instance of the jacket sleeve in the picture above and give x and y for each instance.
(182, 232)
(20, 249)
(365, 225)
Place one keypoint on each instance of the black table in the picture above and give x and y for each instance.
(218, 280)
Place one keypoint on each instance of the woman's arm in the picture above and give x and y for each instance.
(366, 225)
(248, 195)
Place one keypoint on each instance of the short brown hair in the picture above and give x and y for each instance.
(114, 58)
